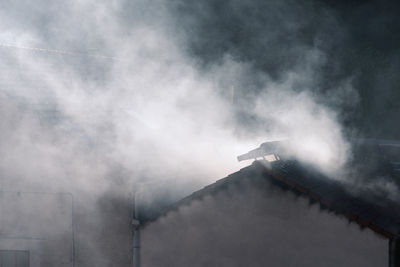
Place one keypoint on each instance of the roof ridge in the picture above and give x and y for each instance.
(281, 171)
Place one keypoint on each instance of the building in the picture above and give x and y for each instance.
(47, 219)
(31, 226)
(274, 214)
(280, 213)
(44, 229)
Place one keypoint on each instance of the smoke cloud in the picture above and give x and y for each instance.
(98, 96)
(112, 85)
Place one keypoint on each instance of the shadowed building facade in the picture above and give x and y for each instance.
(277, 214)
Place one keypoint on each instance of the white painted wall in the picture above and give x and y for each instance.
(42, 224)
(256, 224)
(39, 223)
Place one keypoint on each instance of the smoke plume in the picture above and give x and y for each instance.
(99, 96)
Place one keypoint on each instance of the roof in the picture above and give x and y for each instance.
(366, 208)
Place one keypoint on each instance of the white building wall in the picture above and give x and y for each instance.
(40, 223)
(258, 225)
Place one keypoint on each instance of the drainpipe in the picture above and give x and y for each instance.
(136, 233)
(72, 228)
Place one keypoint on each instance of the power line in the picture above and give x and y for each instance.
(55, 51)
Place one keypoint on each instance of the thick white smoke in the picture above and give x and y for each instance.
(69, 116)
(112, 99)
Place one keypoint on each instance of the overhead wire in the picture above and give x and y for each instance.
(56, 51)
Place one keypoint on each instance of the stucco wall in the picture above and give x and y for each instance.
(41, 223)
(256, 224)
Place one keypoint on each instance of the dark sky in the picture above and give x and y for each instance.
(359, 41)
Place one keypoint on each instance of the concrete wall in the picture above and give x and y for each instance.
(256, 224)
(42, 224)
(39, 223)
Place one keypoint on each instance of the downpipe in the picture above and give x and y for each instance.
(136, 232)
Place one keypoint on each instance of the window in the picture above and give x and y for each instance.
(14, 258)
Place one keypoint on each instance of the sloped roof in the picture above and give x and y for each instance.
(367, 209)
